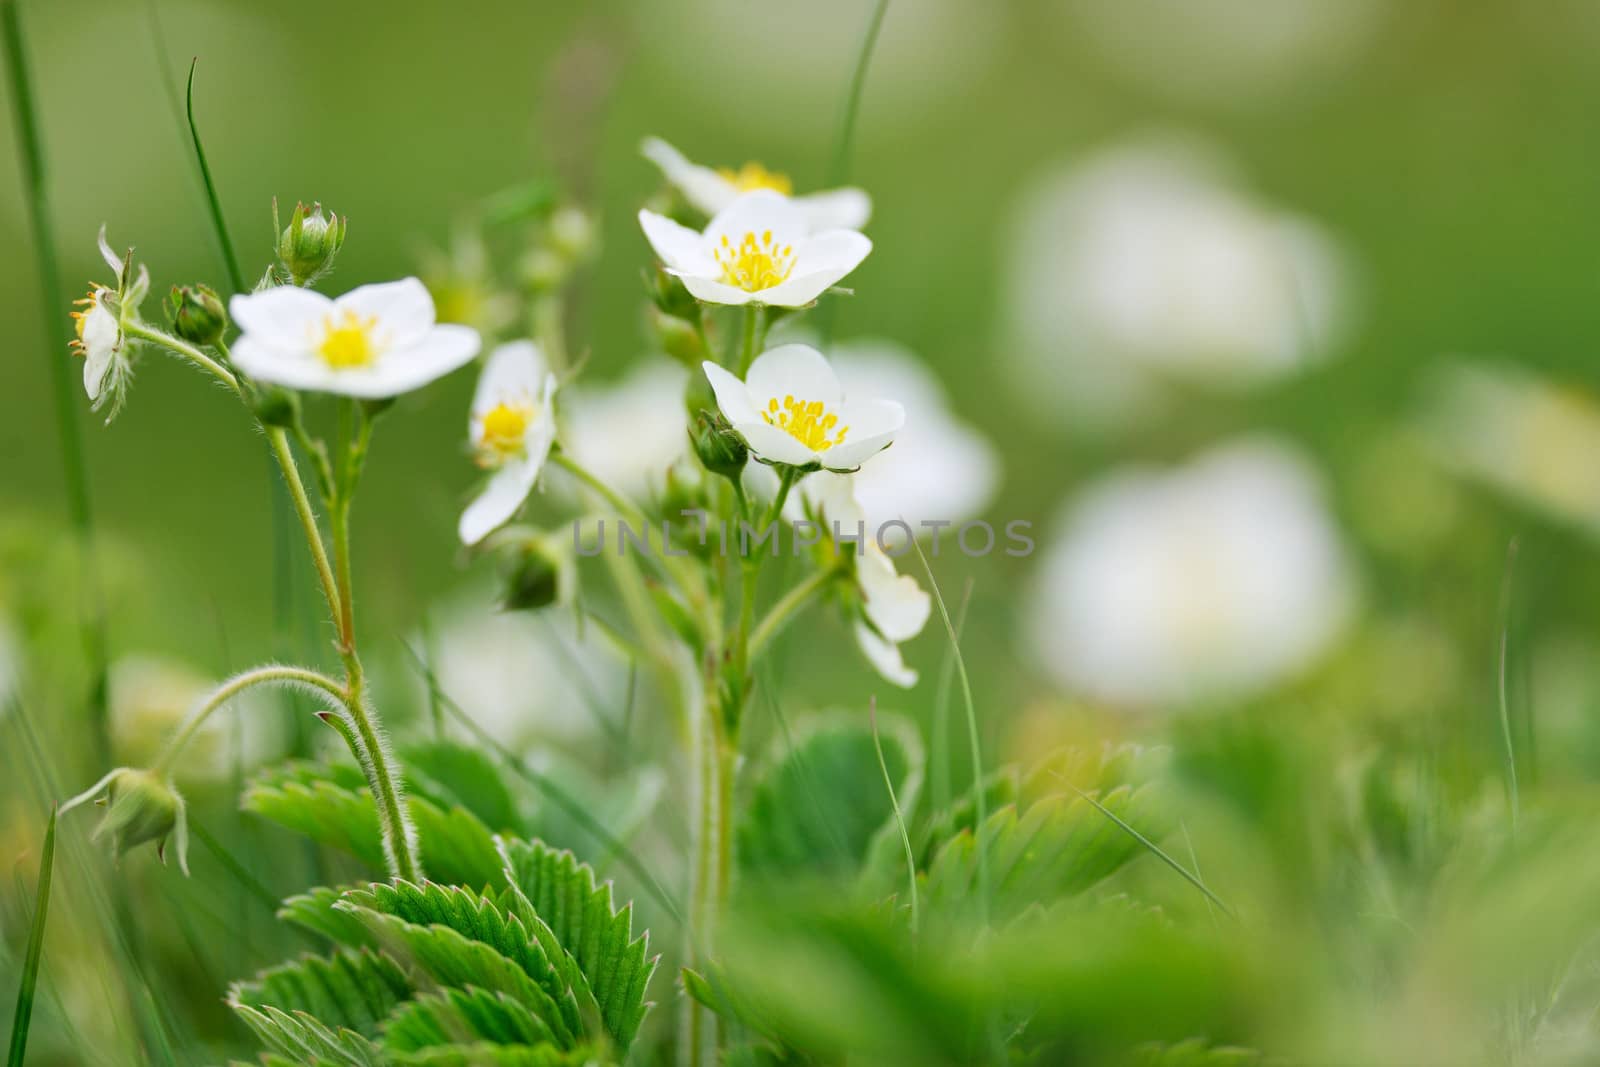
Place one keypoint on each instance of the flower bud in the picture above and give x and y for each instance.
(309, 243)
(142, 806)
(538, 575)
(669, 295)
(197, 314)
(273, 405)
(678, 339)
(719, 446)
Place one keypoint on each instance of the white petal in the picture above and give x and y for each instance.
(703, 187)
(884, 657)
(498, 502)
(732, 396)
(678, 246)
(895, 603)
(113, 260)
(819, 263)
(285, 318)
(757, 212)
(832, 497)
(96, 362)
(799, 371)
(705, 287)
(769, 442)
(836, 209)
(403, 310)
(442, 350)
(513, 374)
(873, 425)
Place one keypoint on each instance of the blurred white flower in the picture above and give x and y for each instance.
(524, 676)
(1236, 52)
(148, 697)
(1212, 580)
(791, 409)
(375, 341)
(511, 428)
(710, 191)
(1146, 262)
(1528, 438)
(628, 433)
(760, 249)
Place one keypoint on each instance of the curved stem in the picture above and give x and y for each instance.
(184, 349)
(308, 518)
(793, 601)
(219, 696)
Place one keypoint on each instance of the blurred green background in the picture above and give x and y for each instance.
(1448, 149)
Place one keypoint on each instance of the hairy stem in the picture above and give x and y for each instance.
(308, 518)
(185, 349)
(273, 674)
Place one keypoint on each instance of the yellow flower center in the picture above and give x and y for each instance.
(501, 435)
(754, 263)
(807, 421)
(347, 341)
(88, 304)
(754, 176)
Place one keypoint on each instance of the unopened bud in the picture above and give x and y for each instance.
(273, 405)
(539, 575)
(197, 314)
(719, 446)
(669, 295)
(143, 806)
(678, 339)
(310, 242)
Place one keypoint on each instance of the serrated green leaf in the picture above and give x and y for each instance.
(302, 1037)
(559, 892)
(816, 810)
(313, 910)
(348, 990)
(463, 1016)
(453, 774)
(317, 800)
(486, 1055)
(461, 939)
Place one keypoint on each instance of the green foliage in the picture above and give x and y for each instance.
(456, 775)
(556, 892)
(817, 809)
(347, 991)
(330, 804)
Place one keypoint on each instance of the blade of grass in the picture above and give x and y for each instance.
(1150, 845)
(249, 881)
(899, 819)
(22, 1018)
(557, 796)
(839, 165)
(235, 276)
(1500, 681)
(75, 470)
(939, 754)
(981, 802)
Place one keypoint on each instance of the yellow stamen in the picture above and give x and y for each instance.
(807, 421)
(502, 431)
(755, 263)
(754, 176)
(347, 341)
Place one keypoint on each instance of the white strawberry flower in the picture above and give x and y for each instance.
(512, 428)
(894, 608)
(760, 249)
(790, 409)
(105, 348)
(711, 189)
(373, 342)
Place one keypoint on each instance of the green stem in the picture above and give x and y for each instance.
(715, 754)
(754, 315)
(75, 469)
(308, 518)
(790, 604)
(231, 688)
(188, 351)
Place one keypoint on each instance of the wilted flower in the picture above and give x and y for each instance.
(141, 806)
(1145, 263)
(373, 342)
(758, 250)
(106, 351)
(629, 432)
(1213, 580)
(1531, 439)
(711, 190)
(511, 429)
(790, 409)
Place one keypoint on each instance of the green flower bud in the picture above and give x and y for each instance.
(273, 404)
(309, 243)
(197, 314)
(719, 446)
(670, 297)
(678, 339)
(142, 806)
(538, 575)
